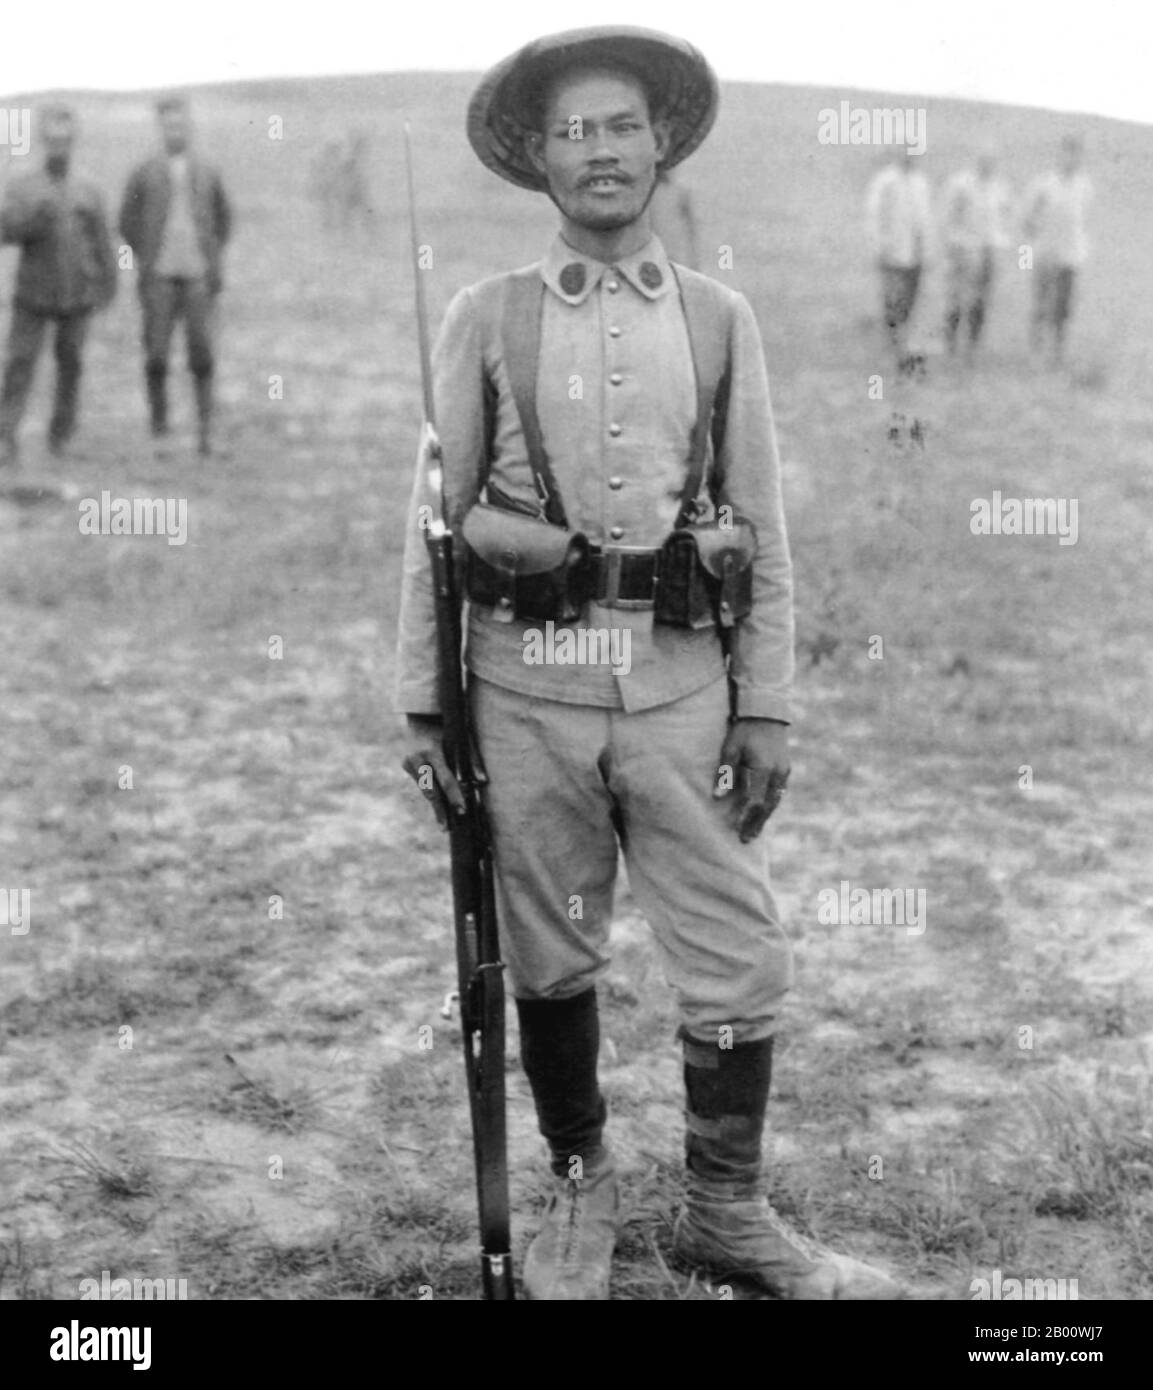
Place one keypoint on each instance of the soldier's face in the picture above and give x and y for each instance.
(174, 126)
(58, 134)
(599, 149)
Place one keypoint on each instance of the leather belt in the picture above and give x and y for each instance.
(625, 576)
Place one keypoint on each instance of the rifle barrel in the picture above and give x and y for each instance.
(481, 988)
(418, 282)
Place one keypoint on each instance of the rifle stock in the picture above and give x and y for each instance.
(479, 967)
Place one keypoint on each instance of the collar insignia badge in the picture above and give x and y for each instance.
(572, 278)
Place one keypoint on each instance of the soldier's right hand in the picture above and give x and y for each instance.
(426, 766)
(26, 222)
(429, 453)
(44, 216)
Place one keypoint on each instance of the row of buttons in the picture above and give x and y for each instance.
(572, 281)
(615, 483)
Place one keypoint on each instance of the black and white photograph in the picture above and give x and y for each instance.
(575, 703)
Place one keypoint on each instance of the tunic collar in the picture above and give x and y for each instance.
(573, 276)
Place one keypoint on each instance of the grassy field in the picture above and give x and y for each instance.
(275, 1130)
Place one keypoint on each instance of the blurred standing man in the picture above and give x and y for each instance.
(581, 759)
(897, 207)
(1056, 208)
(356, 207)
(67, 270)
(324, 183)
(674, 220)
(974, 221)
(177, 219)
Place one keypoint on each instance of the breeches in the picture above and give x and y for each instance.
(970, 279)
(1053, 290)
(166, 300)
(568, 785)
(25, 341)
(899, 286)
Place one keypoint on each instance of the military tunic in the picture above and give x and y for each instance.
(582, 757)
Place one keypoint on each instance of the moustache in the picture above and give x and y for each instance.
(614, 175)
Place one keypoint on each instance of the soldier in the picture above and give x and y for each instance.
(606, 391)
(897, 211)
(324, 183)
(354, 189)
(1056, 208)
(974, 220)
(176, 218)
(67, 270)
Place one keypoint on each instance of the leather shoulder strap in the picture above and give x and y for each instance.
(709, 319)
(520, 339)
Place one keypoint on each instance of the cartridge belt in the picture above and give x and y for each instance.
(625, 576)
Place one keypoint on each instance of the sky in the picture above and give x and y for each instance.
(1092, 55)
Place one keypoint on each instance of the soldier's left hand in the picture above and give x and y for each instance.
(754, 763)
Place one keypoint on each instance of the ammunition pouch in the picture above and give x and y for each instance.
(706, 575)
(522, 567)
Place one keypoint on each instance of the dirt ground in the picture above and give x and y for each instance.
(973, 1098)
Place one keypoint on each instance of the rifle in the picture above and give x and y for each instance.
(479, 967)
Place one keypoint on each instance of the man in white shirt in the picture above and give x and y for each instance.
(1056, 209)
(973, 223)
(897, 207)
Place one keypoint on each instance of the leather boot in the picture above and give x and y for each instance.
(203, 381)
(571, 1256)
(156, 381)
(727, 1228)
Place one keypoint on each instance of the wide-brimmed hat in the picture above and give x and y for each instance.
(505, 107)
